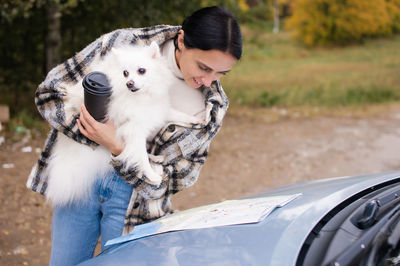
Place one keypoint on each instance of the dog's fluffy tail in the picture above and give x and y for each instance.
(73, 169)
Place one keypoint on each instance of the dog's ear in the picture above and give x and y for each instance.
(155, 50)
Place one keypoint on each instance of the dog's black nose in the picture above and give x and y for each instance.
(130, 84)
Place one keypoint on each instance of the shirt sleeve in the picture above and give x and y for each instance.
(52, 93)
(184, 149)
(184, 157)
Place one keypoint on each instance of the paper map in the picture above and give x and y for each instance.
(228, 212)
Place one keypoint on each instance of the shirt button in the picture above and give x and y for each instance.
(171, 128)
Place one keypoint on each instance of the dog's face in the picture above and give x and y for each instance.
(130, 84)
(136, 69)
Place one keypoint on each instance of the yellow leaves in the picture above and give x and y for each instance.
(321, 22)
(243, 6)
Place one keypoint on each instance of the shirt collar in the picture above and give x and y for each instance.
(168, 51)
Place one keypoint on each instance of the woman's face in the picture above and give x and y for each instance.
(201, 67)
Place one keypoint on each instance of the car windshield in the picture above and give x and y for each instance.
(363, 230)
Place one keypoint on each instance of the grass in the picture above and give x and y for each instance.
(275, 71)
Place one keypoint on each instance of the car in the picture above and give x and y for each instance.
(351, 220)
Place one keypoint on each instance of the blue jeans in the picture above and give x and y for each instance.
(76, 228)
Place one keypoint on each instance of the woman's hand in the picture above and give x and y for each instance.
(104, 134)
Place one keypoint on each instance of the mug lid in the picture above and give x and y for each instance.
(96, 81)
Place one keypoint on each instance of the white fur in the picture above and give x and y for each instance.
(138, 115)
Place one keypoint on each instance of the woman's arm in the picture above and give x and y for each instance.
(184, 150)
(185, 153)
(179, 170)
(51, 95)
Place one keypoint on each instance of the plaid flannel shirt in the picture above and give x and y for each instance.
(185, 149)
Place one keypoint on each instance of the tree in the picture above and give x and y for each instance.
(276, 17)
(327, 22)
(53, 35)
(38, 34)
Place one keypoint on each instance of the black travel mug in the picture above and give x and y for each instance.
(97, 91)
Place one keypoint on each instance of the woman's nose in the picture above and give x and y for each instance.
(207, 80)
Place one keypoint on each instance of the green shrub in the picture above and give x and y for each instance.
(259, 14)
(267, 99)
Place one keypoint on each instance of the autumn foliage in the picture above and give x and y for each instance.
(339, 22)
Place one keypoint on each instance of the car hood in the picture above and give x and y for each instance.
(276, 240)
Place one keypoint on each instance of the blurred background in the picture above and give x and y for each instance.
(325, 53)
(315, 95)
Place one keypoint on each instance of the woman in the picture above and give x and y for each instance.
(206, 46)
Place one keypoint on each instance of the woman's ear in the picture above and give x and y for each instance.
(181, 43)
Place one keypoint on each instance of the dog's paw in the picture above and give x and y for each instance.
(157, 158)
(197, 120)
(153, 178)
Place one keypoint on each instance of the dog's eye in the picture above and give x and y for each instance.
(141, 71)
(126, 73)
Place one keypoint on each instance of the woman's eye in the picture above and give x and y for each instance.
(141, 71)
(206, 69)
(126, 73)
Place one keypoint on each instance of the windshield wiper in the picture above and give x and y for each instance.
(354, 227)
(386, 246)
(375, 207)
(367, 249)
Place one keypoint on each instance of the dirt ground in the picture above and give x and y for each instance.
(254, 151)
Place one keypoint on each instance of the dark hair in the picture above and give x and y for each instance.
(213, 28)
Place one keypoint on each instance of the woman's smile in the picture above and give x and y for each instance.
(202, 67)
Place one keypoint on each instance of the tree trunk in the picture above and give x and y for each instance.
(276, 16)
(53, 35)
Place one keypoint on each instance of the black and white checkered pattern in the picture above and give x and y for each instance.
(185, 149)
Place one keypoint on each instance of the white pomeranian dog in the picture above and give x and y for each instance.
(139, 106)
